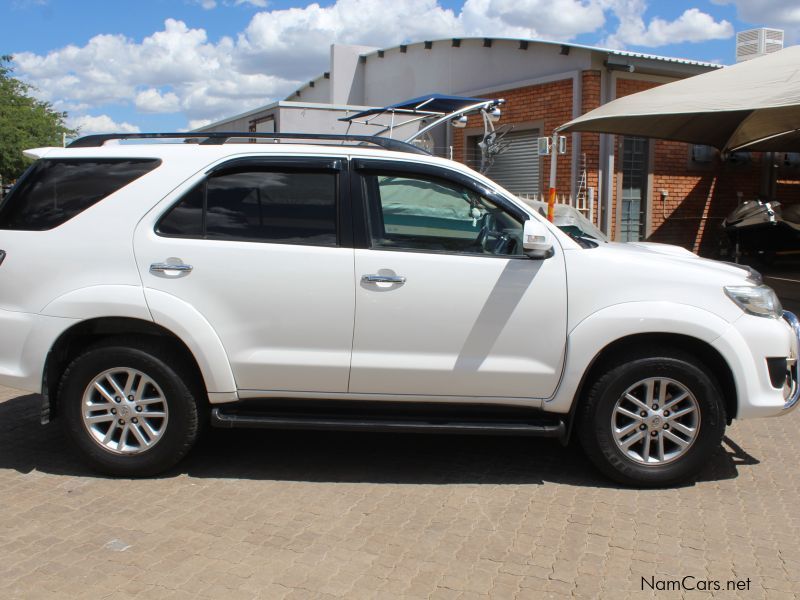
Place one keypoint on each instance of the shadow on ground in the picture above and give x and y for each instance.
(26, 446)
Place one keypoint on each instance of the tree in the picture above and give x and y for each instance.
(25, 122)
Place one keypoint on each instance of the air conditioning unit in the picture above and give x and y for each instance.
(758, 42)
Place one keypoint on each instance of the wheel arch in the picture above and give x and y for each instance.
(704, 351)
(74, 340)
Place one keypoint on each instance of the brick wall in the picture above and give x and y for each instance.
(590, 142)
(787, 190)
(698, 201)
(698, 196)
(548, 103)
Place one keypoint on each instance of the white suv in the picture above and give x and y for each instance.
(358, 284)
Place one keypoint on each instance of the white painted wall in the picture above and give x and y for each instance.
(446, 69)
(347, 74)
(314, 119)
(321, 92)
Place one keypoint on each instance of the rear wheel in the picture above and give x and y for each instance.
(128, 410)
(652, 421)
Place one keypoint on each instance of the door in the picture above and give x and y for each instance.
(633, 220)
(517, 167)
(267, 264)
(446, 303)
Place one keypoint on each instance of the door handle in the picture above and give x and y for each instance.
(383, 279)
(162, 267)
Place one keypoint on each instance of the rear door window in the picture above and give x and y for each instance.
(277, 205)
(53, 191)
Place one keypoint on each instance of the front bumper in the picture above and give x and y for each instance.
(746, 346)
(793, 375)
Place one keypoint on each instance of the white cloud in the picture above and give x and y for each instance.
(545, 19)
(691, 26)
(179, 70)
(212, 4)
(88, 124)
(198, 123)
(111, 69)
(781, 14)
(152, 100)
(295, 41)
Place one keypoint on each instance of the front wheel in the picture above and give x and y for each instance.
(652, 421)
(128, 410)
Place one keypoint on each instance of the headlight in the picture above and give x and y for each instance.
(759, 300)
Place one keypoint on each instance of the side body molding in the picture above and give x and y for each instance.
(201, 339)
(99, 301)
(588, 337)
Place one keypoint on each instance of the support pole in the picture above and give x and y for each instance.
(551, 201)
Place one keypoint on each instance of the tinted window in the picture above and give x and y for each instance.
(54, 191)
(415, 213)
(186, 217)
(259, 205)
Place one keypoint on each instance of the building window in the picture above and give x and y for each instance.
(633, 208)
(703, 155)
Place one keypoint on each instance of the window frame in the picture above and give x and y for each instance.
(434, 173)
(338, 166)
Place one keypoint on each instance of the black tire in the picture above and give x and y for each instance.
(174, 379)
(597, 409)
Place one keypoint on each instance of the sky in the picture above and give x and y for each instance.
(171, 65)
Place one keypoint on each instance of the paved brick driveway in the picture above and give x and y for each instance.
(308, 515)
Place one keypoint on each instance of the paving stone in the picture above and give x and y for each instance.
(310, 515)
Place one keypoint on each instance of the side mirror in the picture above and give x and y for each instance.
(536, 239)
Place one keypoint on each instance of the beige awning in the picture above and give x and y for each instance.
(753, 105)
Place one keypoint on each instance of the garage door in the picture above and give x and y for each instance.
(516, 169)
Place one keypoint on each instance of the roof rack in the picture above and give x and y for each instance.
(220, 137)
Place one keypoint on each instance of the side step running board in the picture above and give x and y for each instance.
(553, 429)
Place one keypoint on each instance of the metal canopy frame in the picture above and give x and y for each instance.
(491, 145)
(418, 113)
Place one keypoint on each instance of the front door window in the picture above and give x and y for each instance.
(416, 213)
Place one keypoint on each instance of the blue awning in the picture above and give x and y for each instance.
(432, 103)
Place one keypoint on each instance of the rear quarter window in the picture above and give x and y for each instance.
(53, 191)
